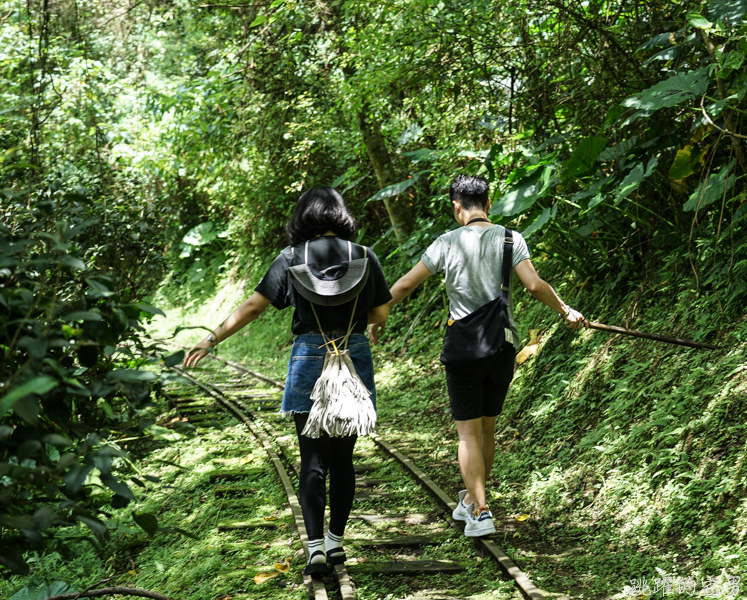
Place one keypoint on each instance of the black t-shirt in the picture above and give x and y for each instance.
(324, 252)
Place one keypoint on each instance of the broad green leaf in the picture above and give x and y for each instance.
(75, 478)
(711, 189)
(73, 262)
(82, 315)
(117, 486)
(98, 527)
(537, 224)
(258, 21)
(396, 188)
(634, 179)
(584, 157)
(683, 164)
(276, 3)
(38, 385)
(36, 347)
(151, 310)
(698, 22)
(162, 433)
(679, 88)
(728, 12)
(27, 409)
(43, 591)
(523, 195)
(732, 62)
(130, 375)
(55, 439)
(146, 521)
(173, 359)
(595, 201)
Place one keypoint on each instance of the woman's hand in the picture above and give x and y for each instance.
(376, 329)
(197, 353)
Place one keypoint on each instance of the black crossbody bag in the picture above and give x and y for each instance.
(474, 340)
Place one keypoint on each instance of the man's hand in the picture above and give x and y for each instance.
(574, 319)
(197, 353)
(376, 329)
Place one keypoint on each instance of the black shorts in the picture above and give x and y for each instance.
(475, 393)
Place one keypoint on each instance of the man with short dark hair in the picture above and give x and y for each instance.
(471, 258)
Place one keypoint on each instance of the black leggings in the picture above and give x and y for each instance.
(317, 457)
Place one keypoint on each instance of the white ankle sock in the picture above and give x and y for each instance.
(332, 541)
(316, 546)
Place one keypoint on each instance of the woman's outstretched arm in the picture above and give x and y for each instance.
(241, 317)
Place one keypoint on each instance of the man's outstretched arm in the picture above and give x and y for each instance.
(404, 287)
(544, 292)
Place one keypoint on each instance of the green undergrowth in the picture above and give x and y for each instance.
(629, 454)
(214, 564)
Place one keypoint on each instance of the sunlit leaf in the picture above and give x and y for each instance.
(537, 224)
(712, 189)
(173, 359)
(262, 577)
(82, 315)
(698, 22)
(397, 188)
(151, 310)
(679, 88)
(130, 375)
(520, 198)
(728, 12)
(522, 518)
(259, 20)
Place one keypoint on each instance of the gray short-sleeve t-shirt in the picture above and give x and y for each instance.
(471, 258)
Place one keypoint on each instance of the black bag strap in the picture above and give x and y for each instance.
(508, 255)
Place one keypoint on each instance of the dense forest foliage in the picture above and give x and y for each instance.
(161, 144)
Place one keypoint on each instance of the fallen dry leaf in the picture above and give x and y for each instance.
(284, 566)
(133, 572)
(266, 546)
(262, 577)
(522, 518)
(271, 518)
(530, 349)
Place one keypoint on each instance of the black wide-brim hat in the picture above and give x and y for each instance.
(324, 289)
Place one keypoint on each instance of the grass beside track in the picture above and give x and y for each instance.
(628, 455)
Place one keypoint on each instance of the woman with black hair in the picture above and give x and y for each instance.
(319, 232)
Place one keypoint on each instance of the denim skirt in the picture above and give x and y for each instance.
(305, 366)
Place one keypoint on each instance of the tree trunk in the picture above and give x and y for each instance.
(398, 207)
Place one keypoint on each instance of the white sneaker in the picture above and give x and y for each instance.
(462, 512)
(479, 525)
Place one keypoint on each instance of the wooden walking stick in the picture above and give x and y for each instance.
(650, 336)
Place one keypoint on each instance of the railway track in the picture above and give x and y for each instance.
(395, 529)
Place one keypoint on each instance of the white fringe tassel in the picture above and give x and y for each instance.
(342, 403)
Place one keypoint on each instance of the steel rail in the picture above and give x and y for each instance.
(314, 586)
(525, 585)
(527, 588)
